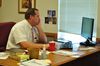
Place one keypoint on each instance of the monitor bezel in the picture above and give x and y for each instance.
(91, 31)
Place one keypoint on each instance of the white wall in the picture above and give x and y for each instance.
(98, 20)
(9, 12)
(43, 6)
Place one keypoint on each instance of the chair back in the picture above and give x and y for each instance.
(5, 28)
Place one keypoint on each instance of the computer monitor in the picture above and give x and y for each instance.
(87, 31)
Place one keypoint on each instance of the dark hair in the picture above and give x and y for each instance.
(30, 11)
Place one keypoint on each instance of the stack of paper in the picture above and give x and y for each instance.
(66, 53)
(3, 55)
(87, 48)
(35, 62)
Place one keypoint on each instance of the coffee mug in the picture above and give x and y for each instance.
(33, 53)
(52, 46)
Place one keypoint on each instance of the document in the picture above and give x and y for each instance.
(3, 55)
(63, 52)
(87, 48)
(68, 53)
(35, 62)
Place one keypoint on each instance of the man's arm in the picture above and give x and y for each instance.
(42, 36)
(21, 39)
(26, 44)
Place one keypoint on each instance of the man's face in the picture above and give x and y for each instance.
(35, 19)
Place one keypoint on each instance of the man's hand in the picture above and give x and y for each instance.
(42, 36)
(39, 25)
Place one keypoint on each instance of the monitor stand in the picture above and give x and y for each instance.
(88, 43)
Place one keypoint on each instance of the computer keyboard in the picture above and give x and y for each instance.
(65, 44)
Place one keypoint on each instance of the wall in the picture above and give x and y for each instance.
(43, 6)
(98, 20)
(9, 12)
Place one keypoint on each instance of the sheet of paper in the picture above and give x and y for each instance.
(35, 62)
(69, 53)
(3, 55)
(63, 52)
(87, 48)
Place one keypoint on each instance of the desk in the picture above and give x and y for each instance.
(89, 58)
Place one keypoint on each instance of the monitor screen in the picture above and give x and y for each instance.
(87, 28)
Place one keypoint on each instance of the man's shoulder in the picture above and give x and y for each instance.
(21, 23)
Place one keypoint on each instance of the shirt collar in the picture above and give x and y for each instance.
(28, 24)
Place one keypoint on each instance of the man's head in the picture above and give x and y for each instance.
(32, 15)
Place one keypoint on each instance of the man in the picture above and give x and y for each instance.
(27, 33)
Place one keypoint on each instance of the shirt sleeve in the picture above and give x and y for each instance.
(19, 35)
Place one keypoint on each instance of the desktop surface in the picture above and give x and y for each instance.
(88, 43)
(58, 59)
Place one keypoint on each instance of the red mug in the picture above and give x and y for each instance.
(52, 46)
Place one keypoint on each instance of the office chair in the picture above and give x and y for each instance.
(5, 28)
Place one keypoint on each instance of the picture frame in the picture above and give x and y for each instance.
(51, 13)
(23, 5)
(0, 3)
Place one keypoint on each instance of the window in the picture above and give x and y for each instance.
(71, 13)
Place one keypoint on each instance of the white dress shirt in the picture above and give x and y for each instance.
(21, 31)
